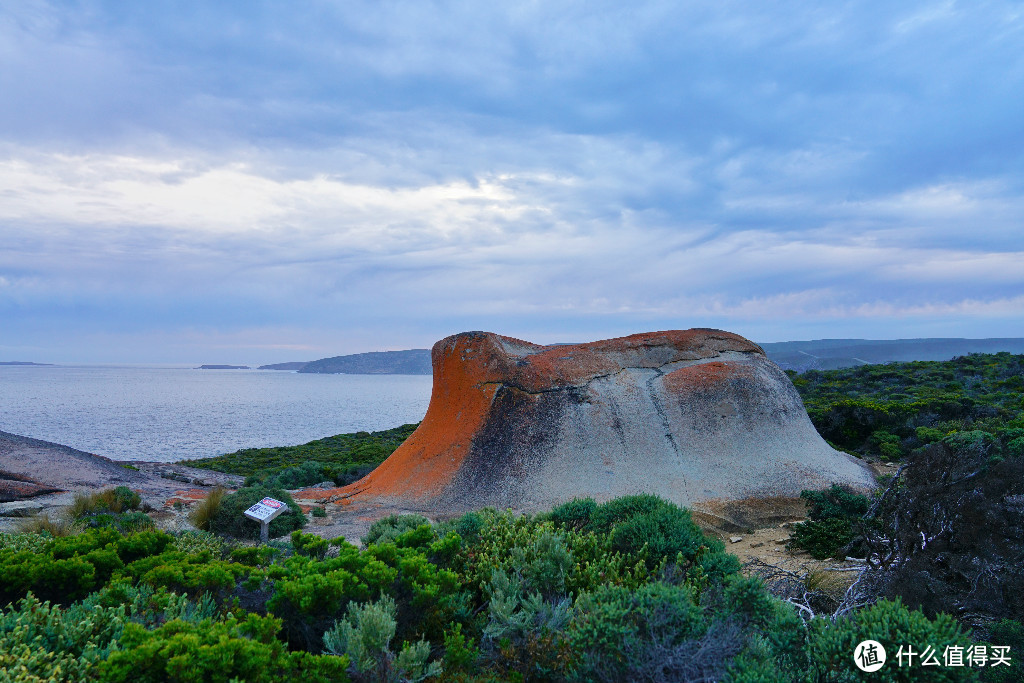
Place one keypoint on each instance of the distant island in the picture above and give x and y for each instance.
(22, 362)
(832, 354)
(223, 367)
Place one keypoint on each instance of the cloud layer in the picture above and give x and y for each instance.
(280, 183)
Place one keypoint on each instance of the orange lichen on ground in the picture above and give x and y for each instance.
(187, 497)
(704, 376)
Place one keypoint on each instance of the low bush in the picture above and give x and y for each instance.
(234, 649)
(832, 644)
(388, 528)
(365, 636)
(229, 520)
(834, 520)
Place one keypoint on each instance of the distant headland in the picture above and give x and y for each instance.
(409, 362)
(23, 362)
(223, 367)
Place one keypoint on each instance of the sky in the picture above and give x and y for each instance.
(259, 182)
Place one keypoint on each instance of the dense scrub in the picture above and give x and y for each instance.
(890, 410)
(343, 457)
(626, 590)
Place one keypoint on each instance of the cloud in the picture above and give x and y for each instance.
(556, 166)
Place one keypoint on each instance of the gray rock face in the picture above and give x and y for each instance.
(695, 416)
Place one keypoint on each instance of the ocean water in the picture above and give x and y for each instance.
(170, 413)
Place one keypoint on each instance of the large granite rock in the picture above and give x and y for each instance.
(693, 416)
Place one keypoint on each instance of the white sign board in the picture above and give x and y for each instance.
(266, 510)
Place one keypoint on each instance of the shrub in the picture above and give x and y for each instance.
(119, 499)
(207, 509)
(831, 645)
(318, 511)
(244, 649)
(230, 521)
(833, 520)
(365, 635)
(388, 528)
(653, 633)
(194, 542)
(41, 642)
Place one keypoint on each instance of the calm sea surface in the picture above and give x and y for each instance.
(167, 414)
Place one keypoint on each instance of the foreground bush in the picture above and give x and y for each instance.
(627, 590)
(245, 649)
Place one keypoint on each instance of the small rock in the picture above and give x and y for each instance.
(756, 545)
(781, 540)
(735, 539)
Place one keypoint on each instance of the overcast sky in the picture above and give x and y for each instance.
(266, 181)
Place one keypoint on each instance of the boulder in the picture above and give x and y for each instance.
(694, 416)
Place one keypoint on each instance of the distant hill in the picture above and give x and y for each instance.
(411, 362)
(21, 362)
(831, 354)
(223, 367)
(291, 367)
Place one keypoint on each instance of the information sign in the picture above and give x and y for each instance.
(266, 510)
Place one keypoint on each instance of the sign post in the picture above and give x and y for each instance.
(264, 512)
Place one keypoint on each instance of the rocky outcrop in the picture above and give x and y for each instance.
(693, 416)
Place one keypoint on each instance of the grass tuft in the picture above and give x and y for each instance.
(207, 509)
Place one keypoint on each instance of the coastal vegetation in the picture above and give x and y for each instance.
(629, 589)
(343, 458)
(626, 590)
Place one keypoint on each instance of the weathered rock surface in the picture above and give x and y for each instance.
(693, 416)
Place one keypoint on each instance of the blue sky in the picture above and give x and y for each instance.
(260, 182)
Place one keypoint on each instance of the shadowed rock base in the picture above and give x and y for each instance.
(694, 416)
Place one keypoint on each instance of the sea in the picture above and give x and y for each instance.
(170, 413)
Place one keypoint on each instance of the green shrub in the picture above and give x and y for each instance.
(42, 642)
(388, 528)
(119, 499)
(365, 635)
(831, 645)
(194, 542)
(243, 649)
(831, 527)
(656, 632)
(1007, 633)
(230, 521)
(318, 511)
(824, 539)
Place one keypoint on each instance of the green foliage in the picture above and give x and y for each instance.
(365, 635)
(890, 410)
(342, 452)
(1007, 633)
(40, 641)
(195, 542)
(246, 649)
(230, 521)
(831, 645)
(392, 526)
(833, 513)
(318, 511)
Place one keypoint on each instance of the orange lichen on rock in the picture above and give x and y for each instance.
(705, 375)
(515, 424)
